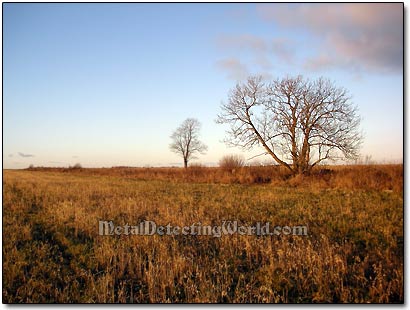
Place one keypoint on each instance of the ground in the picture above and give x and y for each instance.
(353, 251)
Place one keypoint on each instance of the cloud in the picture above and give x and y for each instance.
(234, 68)
(25, 155)
(282, 49)
(261, 48)
(10, 155)
(319, 62)
(244, 41)
(366, 36)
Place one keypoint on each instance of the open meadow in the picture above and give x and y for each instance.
(353, 251)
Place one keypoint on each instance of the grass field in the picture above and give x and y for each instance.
(353, 251)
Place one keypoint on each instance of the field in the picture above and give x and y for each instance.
(353, 251)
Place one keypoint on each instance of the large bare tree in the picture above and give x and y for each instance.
(299, 122)
(185, 140)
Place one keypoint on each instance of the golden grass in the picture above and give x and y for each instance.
(353, 253)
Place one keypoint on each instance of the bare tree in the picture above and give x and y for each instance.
(185, 140)
(300, 123)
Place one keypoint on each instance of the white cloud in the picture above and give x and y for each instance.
(365, 36)
(243, 41)
(234, 68)
(25, 155)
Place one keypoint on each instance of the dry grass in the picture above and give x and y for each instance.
(366, 177)
(354, 251)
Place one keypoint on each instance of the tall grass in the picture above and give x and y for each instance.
(374, 177)
(353, 252)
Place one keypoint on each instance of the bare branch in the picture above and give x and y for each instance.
(299, 122)
(185, 140)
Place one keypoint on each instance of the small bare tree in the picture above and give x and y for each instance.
(185, 140)
(298, 122)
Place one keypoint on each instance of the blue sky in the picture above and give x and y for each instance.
(106, 84)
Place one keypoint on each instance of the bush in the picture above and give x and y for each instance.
(76, 166)
(231, 162)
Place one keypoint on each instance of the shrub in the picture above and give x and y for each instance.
(231, 162)
(76, 166)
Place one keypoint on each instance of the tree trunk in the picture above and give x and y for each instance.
(185, 163)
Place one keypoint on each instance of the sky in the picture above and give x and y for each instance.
(106, 84)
